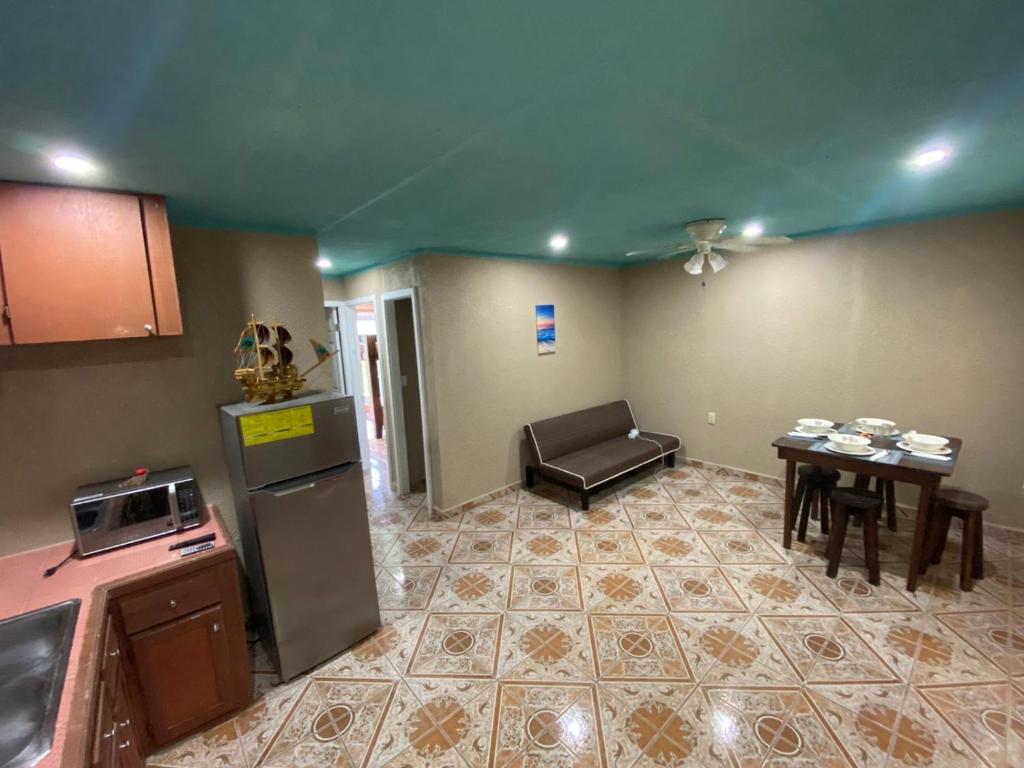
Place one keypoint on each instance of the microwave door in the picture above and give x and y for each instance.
(113, 521)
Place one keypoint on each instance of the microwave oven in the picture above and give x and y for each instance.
(117, 513)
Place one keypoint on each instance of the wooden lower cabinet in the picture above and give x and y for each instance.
(174, 660)
(184, 670)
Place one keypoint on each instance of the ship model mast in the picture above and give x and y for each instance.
(265, 368)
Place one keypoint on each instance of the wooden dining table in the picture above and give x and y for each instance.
(897, 465)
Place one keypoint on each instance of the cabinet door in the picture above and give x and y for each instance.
(161, 265)
(184, 672)
(74, 264)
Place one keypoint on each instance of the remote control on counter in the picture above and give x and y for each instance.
(195, 540)
(186, 551)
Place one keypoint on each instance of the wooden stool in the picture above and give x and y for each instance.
(861, 503)
(814, 488)
(887, 490)
(884, 488)
(948, 503)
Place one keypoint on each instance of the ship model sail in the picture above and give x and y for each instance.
(264, 364)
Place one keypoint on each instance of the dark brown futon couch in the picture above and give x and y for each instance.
(590, 448)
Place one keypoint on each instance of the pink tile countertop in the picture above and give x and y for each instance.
(25, 589)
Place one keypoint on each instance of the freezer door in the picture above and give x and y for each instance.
(291, 439)
(314, 542)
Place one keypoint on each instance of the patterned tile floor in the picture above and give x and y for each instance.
(664, 627)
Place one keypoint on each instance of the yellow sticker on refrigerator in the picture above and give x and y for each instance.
(269, 427)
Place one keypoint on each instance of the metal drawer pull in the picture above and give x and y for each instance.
(110, 734)
(126, 723)
(173, 603)
(296, 489)
(216, 627)
(116, 652)
(127, 743)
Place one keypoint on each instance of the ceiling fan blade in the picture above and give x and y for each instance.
(769, 240)
(735, 245)
(757, 242)
(663, 252)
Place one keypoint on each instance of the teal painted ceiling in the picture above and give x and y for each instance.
(389, 127)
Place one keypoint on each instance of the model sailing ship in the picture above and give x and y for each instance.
(264, 366)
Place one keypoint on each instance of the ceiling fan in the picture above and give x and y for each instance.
(705, 234)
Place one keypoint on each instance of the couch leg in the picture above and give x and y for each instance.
(670, 460)
(529, 476)
(584, 500)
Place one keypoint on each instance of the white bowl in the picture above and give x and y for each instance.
(876, 426)
(815, 426)
(925, 443)
(849, 443)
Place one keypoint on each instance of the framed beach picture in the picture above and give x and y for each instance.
(545, 329)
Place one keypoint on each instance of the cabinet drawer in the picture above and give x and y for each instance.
(104, 732)
(170, 601)
(127, 748)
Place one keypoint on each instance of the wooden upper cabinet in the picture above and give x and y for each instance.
(80, 265)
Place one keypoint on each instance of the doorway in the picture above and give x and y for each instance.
(408, 407)
(381, 367)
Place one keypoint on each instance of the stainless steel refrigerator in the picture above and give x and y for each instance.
(298, 488)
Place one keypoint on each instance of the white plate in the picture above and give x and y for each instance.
(868, 451)
(906, 447)
(803, 431)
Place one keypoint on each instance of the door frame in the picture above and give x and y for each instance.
(350, 362)
(394, 407)
(338, 361)
(393, 383)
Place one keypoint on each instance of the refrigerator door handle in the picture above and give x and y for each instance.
(294, 489)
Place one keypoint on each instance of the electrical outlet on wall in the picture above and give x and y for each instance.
(712, 417)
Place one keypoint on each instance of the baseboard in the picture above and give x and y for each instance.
(746, 473)
(772, 480)
(485, 498)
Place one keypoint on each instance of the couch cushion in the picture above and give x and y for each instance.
(595, 464)
(668, 443)
(575, 431)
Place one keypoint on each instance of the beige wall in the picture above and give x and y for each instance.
(373, 282)
(78, 413)
(484, 376)
(921, 323)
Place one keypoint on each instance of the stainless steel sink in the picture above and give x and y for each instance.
(34, 652)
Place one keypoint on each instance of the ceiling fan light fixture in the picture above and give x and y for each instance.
(717, 262)
(695, 264)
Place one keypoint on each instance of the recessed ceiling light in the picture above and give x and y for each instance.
(76, 164)
(753, 229)
(928, 158)
(558, 243)
(323, 263)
